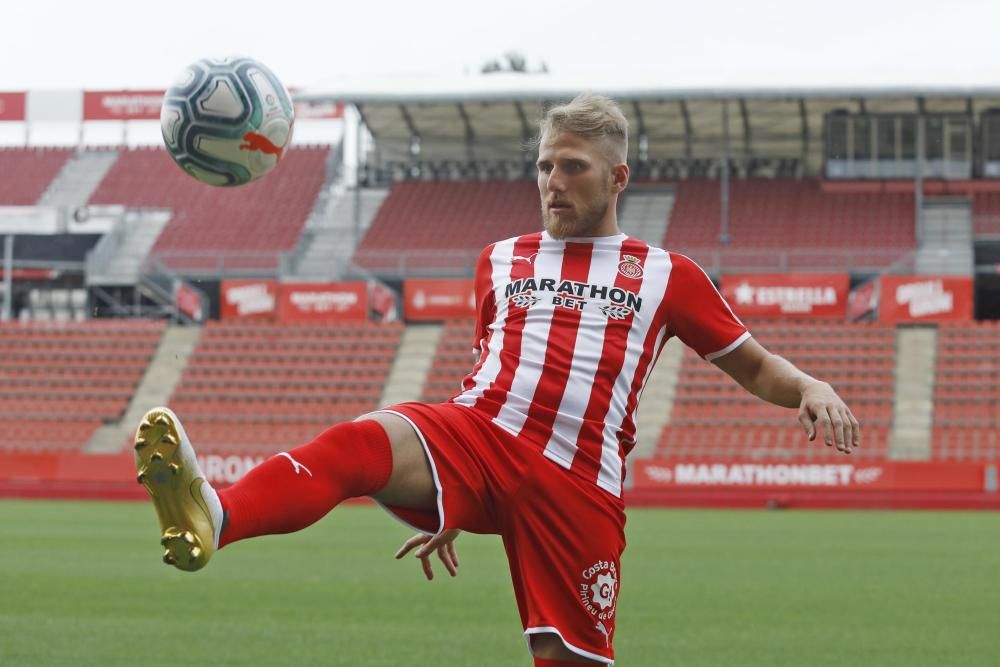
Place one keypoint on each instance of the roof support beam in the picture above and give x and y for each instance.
(470, 134)
(525, 126)
(414, 133)
(688, 133)
(364, 119)
(643, 134)
(804, 117)
(747, 137)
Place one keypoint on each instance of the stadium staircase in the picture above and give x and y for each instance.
(412, 363)
(946, 242)
(913, 400)
(645, 213)
(78, 179)
(158, 382)
(333, 231)
(118, 257)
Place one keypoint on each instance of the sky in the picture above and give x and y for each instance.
(136, 44)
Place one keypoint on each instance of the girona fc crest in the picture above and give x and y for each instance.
(630, 267)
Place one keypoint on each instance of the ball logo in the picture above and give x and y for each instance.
(269, 98)
(630, 267)
(258, 142)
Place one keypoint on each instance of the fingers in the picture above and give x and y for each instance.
(442, 543)
(807, 424)
(410, 544)
(838, 426)
(446, 553)
(425, 563)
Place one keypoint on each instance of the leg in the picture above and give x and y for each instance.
(565, 563)
(376, 455)
(549, 651)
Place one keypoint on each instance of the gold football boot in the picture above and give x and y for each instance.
(188, 507)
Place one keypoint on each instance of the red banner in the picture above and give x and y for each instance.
(122, 104)
(862, 300)
(248, 298)
(318, 301)
(787, 294)
(925, 299)
(188, 301)
(429, 299)
(813, 475)
(13, 106)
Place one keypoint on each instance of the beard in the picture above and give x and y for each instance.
(582, 220)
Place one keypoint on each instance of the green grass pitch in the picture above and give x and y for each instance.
(81, 584)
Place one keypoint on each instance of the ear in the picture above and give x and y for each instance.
(619, 176)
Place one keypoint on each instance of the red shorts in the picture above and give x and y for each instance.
(564, 536)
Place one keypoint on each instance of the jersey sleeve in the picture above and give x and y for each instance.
(486, 308)
(697, 314)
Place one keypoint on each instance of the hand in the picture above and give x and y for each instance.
(821, 405)
(443, 543)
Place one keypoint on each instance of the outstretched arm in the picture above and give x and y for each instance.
(776, 380)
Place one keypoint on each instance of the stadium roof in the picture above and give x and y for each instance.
(491, 116)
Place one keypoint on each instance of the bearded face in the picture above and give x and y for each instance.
(576, 187)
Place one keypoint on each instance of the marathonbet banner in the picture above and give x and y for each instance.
(122, 104)
(925, 298)
(787, 294)
(435, 299)
(12, 106)
(323, 301)
(812, 475)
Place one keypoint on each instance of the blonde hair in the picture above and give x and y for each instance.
(595, 117)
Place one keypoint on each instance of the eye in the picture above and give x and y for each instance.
(545, 167)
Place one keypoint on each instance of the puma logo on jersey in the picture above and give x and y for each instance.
(530, 259)
(604, 631)
(295, 464)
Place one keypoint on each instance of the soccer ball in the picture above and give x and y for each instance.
(227, 121)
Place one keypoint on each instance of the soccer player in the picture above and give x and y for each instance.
(571, 320)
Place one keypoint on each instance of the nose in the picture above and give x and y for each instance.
(555, 182)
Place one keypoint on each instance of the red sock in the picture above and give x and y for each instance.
(295, 489)
(547, 662)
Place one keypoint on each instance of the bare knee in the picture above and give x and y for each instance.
(549, 646)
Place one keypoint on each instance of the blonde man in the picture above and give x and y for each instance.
(571, 320)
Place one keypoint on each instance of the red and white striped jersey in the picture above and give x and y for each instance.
(568, 332)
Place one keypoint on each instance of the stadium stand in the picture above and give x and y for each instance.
(60, 381)
(714, 417)
(986, 213)
(250, 224)
(966, 393)
(260, 388)
(444, 226)
(27, 172)
(793, 215)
